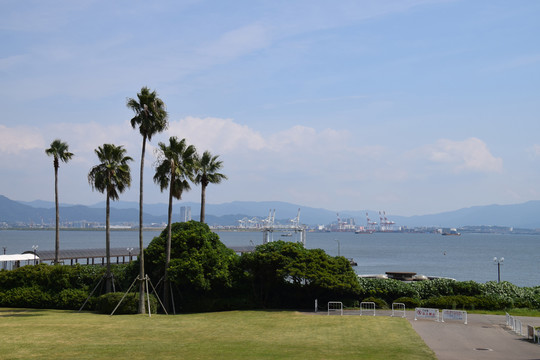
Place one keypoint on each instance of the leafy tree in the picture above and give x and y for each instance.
(174, 168)
(112, 176)
(285, 274)
(151, 118)
(201, 266)
(207, 173)
(59, 150)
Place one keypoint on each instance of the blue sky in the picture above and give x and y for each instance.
(411, 107)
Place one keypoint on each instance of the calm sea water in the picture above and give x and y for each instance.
(465, 257)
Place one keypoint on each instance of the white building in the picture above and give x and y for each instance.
(185, 213)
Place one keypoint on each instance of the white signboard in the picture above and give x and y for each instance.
(454, 315)
(426, 313)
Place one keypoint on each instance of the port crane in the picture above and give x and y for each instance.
(386, 225)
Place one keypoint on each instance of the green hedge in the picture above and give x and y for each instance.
(105, 304)
(410, 303)
(26, 297)
(379, 303)
(462, 302)
(67, 287)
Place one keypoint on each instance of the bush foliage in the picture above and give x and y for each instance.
(207, 276)
(105, 304)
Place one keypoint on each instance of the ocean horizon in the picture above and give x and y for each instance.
(465, 257)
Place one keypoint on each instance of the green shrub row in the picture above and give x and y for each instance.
(35, 297)
(106, 303)
(449, 294)
(67, 287)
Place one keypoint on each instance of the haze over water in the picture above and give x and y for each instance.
(465, 257)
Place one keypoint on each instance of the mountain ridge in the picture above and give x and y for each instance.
(514, 215)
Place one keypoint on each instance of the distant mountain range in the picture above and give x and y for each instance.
(525, 215)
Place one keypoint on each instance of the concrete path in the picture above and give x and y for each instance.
(484, 337)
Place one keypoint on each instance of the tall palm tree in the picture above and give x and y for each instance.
(112, 176)
(174, 169)
(151, 118)
(206, 172)
(59, 150)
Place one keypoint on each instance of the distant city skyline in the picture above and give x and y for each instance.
(411, 106)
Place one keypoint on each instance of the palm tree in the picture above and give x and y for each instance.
(112, 176)
(60, 152)
(206, 172)
(151, 118)
(174, 168)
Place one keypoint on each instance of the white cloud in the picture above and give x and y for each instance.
(467, 155)
(514, 63)
(535, 151)
(22, 138)
(238, 42)
(220, 135)
(11, 61)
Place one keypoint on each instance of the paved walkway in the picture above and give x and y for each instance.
(484, 337)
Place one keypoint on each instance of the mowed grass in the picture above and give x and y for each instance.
(56, 334)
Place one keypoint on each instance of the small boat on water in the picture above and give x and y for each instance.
(452, 232)
(286, 234)
(363, 231)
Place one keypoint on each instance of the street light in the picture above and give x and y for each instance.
(129, 251)
(338, 247)
(498, 262)
(34, 247)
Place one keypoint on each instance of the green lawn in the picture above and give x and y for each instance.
(56, 334)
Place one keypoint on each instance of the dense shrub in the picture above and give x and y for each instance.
(379, 303)
(71, 299)
(387, 289)
(462, 302)
(105, 304)
(410, 303)
(433, 288)
(206, 276)
(26, 297)
(287, 275)
(48, 286)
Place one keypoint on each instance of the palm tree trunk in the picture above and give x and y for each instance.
(108, 286)
(141, 245)
(203, 201)
(166, 284)
(57, 228)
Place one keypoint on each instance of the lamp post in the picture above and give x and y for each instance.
(34, 247)
(498, 262)
(338, 247)
(129, 251)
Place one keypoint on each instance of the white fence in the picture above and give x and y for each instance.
(458, 315)
(398, 308)
(426, 313)
(367, 306)
(335, 306)
(515, 324)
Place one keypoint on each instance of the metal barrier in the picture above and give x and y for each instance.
(335, 306)
(530, 333)
(367, 306)
(398, 308)
(454, 315)
(515, 324)
(426, 313)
